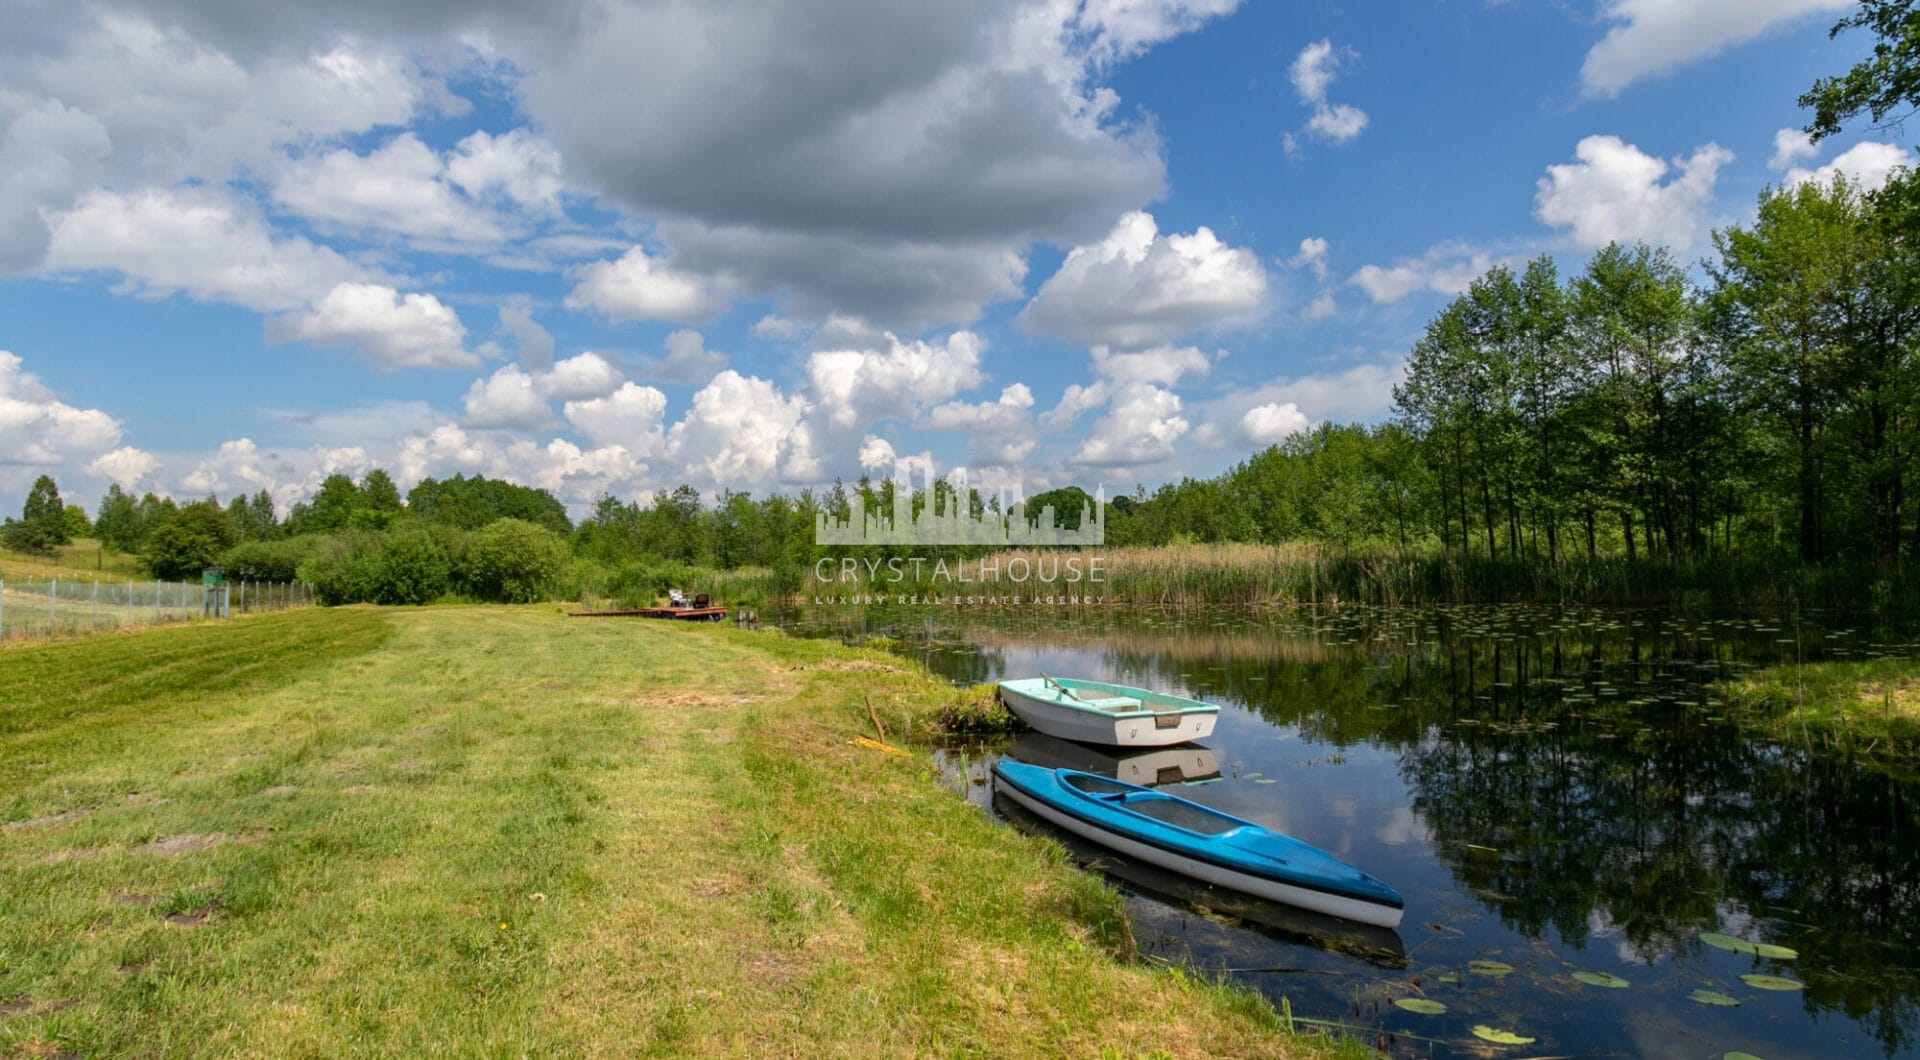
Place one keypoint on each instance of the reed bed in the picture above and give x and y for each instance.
(1311, 573)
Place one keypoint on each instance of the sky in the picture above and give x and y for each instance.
(617, 246)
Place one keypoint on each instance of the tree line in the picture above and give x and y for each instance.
(1768, 407)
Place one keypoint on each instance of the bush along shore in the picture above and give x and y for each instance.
(360, 831)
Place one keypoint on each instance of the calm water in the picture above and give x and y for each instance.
(1553, 791)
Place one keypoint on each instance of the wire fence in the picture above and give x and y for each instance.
(67, 607)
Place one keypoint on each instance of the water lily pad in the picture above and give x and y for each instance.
(1771, 982)
(1497, 1037)
(1495, 969)
(1714, 997)
(1611, 982)
(1738, 1055)
(1421, 1005)
(1778, 953)
(1451, 977)
(1726, 942)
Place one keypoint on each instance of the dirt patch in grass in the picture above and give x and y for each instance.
(175, 845)
(718, 886)
(141, 798)
(25, 1006)
(701, 699)
(191, 917)
(863, 665)
(772, 969)
(52, 818)
(410, 763)
(130, 898)
(61, 857)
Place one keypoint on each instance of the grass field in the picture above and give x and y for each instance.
(81, 559)
(494, 831)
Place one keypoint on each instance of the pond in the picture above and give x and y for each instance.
(1593, 856)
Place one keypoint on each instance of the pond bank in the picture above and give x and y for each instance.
(1868, 707)
(491, 830)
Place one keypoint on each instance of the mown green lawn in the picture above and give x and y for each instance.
(495, 831)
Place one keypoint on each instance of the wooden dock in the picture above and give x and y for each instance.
(683, 614)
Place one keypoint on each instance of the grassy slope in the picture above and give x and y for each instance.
(82, 560)
(495, 831)
(1870, 706)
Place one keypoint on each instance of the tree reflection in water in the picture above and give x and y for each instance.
(1573, 773)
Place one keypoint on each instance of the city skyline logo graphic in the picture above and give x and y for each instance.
(946, 519)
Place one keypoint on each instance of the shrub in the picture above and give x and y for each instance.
(414, 568)
(514, 561)
(345, 569)
(268, 561)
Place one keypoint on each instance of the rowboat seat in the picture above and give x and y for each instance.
(1113, 704)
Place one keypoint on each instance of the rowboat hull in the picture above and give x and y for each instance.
(1133, 717)
(1290, 923)
(1240, 856)
(1149, 767)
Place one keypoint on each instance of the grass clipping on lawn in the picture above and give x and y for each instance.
(496, 831)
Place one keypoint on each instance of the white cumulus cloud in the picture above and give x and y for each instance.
(687, 361)
(39, 430)
(1138, 287)
(389, 329)
(1445, 269)
(1789, 146)
(741, 431)
(1140, 427)
(854, 388)
(578, 378)
(630, 417)
(1650, 37)
(399, 187)
(640, 287)
(1312, 72)
(1617, 192)
(508, 399)
(1868, 166)
(206, 244)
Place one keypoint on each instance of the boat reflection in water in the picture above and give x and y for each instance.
(1186, 763)
(1375, 945)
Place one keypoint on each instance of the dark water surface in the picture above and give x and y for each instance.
(1554, 791)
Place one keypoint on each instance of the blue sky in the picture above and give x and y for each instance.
(614, 247)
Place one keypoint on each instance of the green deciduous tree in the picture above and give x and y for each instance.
(1885, 86)
(42, 526)
(188, 540)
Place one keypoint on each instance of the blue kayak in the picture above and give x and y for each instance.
(1200, 842)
